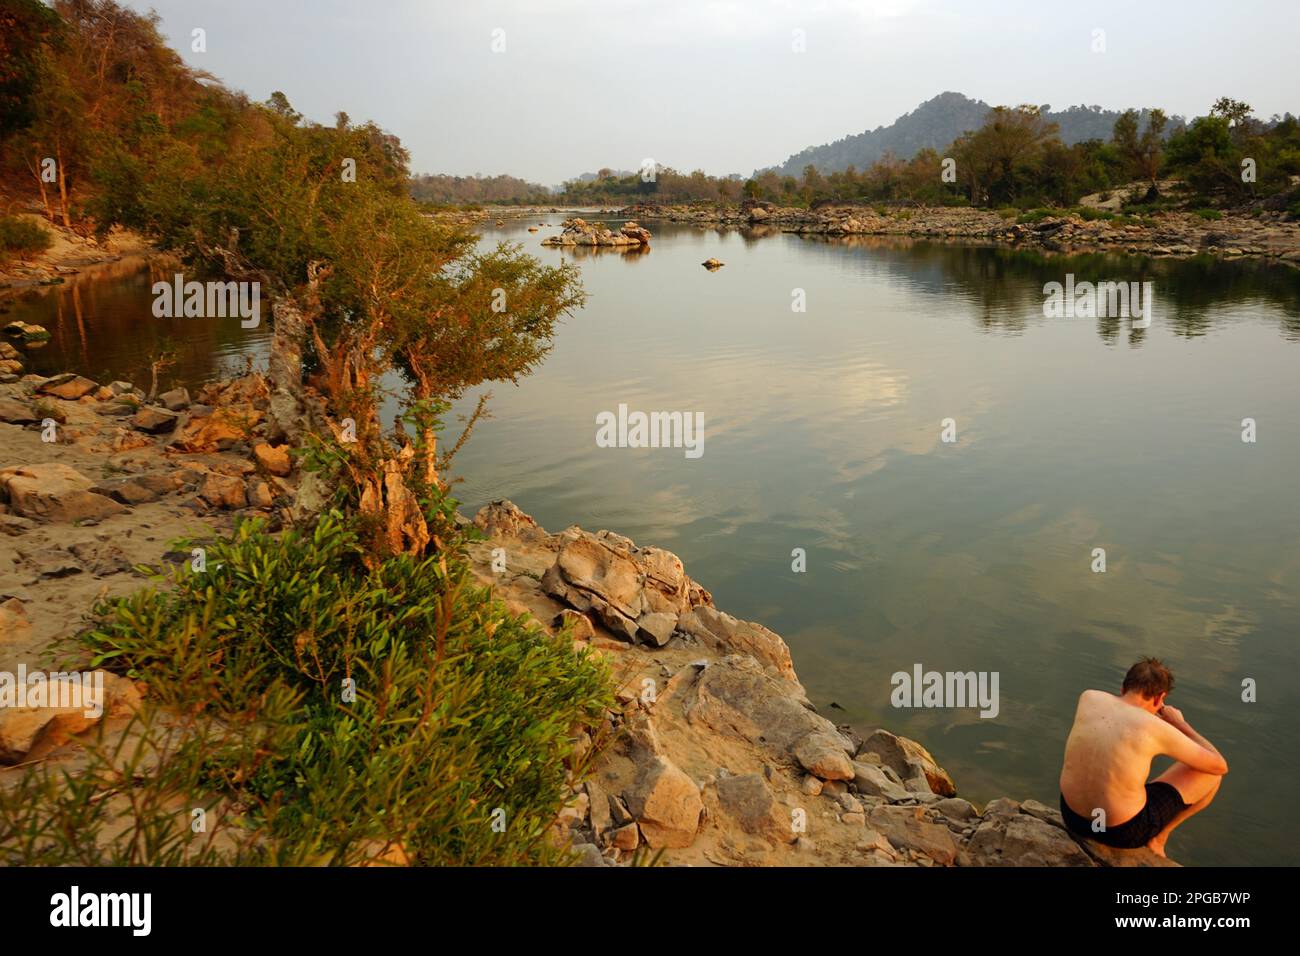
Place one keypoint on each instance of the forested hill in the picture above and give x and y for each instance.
(936, 123)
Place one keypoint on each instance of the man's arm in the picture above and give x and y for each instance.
(1187, 746)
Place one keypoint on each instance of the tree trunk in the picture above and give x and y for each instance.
(63, 186)
(45, 196)
(284, 370)
(431, 457)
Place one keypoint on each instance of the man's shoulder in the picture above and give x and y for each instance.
(1091, 696)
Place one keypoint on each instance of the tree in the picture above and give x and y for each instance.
(28, 31)
(361, 284)
(1143, 152)
(998, 160)
(1236, 113)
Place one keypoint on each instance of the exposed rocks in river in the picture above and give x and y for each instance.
(26, 332)
(1270, 235)
(579, 232)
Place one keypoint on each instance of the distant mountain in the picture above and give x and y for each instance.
(936, 123)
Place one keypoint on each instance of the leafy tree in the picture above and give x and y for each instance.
(1143, 151)
(28, 30)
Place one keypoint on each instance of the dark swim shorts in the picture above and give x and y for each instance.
(1164, 802)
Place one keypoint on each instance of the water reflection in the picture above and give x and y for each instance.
(102, 325)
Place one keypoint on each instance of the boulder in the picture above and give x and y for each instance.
(586, 564)
(175, 400)
(259, 495)
(579, 232)
(54, 492)
(636, 232)
(823, 755)
(725, 633)
(598, 810)
(955, 808)
(657, 628)
(735, 697)
(873, 782)
(22, 727)
(26, 332)
(625, 837)
(17, 413)
(502, 519)
(70, 388)
(216, 432)
(582, 626)
(907, 828)
(666, 804)
(1020, 839)
(129, 490)
(223, 491)
(637, 593)
(154, 420)
(749, 801)
(587, 854)
(918, 770)
(273, 460)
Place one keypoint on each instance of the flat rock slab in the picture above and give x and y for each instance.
(1110, 856)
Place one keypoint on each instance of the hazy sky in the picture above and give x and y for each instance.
(713, 84)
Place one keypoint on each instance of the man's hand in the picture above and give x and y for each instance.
(1171, 715)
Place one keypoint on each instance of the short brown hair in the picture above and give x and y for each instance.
(1150, 678)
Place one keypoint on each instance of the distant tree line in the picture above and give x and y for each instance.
(464, 190)
(1016, 158)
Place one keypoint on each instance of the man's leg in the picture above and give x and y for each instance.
(1197, 790)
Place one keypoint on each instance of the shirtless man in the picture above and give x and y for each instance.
(1108, 757)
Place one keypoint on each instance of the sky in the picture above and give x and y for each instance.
(548, 89)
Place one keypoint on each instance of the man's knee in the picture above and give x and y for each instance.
(1216, 780)
(1194, 786)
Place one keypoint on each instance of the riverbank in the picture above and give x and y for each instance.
(715, 754)
(1267, 236)
(70, 253)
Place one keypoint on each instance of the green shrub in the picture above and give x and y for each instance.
(21, 238)
(1038, 215)
(460, 710)
(1089, 214)
(1212, 215)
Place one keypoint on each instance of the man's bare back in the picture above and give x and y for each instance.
(1108, 757)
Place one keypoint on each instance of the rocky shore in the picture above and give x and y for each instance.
(717, 756)
(713, 754)
(1269, 235)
